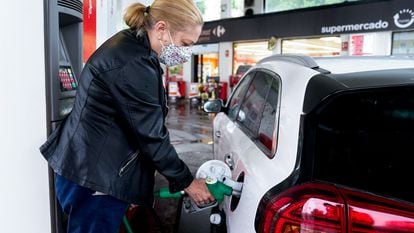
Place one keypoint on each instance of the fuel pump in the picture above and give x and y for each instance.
(63, 60)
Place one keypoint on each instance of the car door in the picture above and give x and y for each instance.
(224, 122)
(250, 133)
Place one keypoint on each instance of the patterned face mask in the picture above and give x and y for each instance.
(172, 54)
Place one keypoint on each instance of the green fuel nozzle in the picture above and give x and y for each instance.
(165, 193)
(216, 188)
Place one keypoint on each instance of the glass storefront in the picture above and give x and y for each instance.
(315, 47)
(205, 62)
(283, 5)
(403, 43)
(211, 9)
(237, 8)
(207, 66)
(249, 53)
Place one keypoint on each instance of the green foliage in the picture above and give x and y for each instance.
(236, 4)
(201, 6)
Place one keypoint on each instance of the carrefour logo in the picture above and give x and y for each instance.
(404, 18)
(219, 31)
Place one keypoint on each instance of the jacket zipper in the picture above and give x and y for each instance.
(128, 162)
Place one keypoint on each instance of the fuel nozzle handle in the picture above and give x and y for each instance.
(165, 193)
(216, 188)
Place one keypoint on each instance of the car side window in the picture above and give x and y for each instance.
(269, 123)
(252, 106)
(237, 97)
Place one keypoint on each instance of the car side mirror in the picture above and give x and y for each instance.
(213, 106)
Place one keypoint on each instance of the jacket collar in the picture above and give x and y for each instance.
(142, 37)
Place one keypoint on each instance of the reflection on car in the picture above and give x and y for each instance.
(241, 70)
(320, 144)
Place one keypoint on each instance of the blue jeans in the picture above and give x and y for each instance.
(87, 212)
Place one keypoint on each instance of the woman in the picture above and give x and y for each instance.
(106, 151)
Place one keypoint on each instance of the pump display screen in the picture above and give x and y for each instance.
(67, 79)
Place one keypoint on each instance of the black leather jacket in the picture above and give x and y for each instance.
(115, 137)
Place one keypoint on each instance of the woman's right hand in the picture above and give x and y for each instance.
(199, 192)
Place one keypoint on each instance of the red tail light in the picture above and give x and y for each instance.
(322, 208)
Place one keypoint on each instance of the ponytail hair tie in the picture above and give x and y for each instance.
(147, 9)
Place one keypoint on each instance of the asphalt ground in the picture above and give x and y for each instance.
(191, 134)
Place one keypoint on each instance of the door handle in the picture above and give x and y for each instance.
(218, 133)
(228, 159)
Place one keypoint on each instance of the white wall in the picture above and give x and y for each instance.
(125, 3)
(383, 43)
(109, 17)
(187, 70)
(24, 198)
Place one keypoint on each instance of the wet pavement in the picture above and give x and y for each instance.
(191, 134)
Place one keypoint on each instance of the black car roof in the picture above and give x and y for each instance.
(376, 78)
(322, 86)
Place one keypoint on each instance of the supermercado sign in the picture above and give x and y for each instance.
(355, 27)
(356, 17)
(404, 18)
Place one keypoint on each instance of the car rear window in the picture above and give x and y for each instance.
(365, 140)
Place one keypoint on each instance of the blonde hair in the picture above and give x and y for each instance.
(178, 14)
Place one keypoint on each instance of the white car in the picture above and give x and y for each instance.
(320, 145)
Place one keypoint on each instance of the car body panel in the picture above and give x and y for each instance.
(299, 79)
(260, 167)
